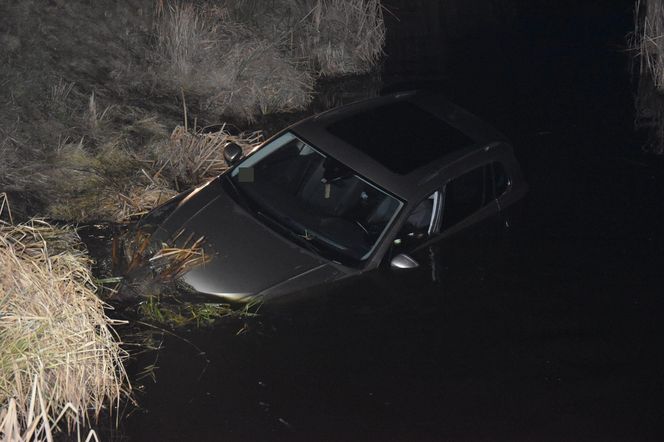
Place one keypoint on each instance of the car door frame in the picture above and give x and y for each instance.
(499, 151)
(490, 208)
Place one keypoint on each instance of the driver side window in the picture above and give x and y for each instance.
(421, 223)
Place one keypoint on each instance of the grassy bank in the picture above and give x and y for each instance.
(95, 93)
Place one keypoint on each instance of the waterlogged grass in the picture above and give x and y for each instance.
(174, 313)
(148, 281)
(149, 267)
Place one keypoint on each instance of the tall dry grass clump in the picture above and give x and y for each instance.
(648, 43)
(57, 345)
(649, 39)
(334, 37)
(222, 66)
(343, 37)
(250, 57)
(189, 157)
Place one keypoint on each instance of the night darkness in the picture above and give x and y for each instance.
(553, 332)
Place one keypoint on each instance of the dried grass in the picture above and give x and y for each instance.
(223, 67)
(343, 37)
(648, 43)
(648, 39)
(40, 426)
(113, 184)
(74, 149)
(190, 157)
(135, 201)
(650, 115)
(136, 257)
(171, 262)
(334, 37)
(152, 268)
(79, 184)
(54, 333)
(248, 57)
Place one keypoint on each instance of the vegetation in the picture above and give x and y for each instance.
(175, 313)
(89, 128)
(60, 360)
(648, 43)
(104, 115)
(343, 37)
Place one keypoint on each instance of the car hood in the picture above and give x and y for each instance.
(248, 258)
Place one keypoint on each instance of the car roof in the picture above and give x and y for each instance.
(399, 140)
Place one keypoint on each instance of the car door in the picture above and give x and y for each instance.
(463, 212)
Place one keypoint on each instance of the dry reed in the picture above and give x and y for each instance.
(148, 267)
(55, 336)
(42, 422)
(135, 199)
(190, 157)
(222, 66)
(648, 39)
(344, 37)
(648, 43)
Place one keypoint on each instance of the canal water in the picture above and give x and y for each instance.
(555, 332)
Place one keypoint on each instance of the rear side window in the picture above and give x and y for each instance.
(501, 180)
(464, 196)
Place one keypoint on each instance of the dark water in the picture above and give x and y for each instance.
(554, 333)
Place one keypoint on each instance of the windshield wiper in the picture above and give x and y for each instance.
(303, 239)
(281, 223)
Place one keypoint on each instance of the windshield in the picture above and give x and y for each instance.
(319, 201)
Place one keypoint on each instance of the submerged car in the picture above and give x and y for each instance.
(341, 193)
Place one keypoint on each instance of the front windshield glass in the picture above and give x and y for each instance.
(317, 200)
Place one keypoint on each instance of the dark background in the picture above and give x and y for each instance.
(554, 333)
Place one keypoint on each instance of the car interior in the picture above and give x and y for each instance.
(321, 195)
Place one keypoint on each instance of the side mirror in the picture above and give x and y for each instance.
(232, 153)
(403, 261)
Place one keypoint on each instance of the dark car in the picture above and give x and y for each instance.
(342, 193)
